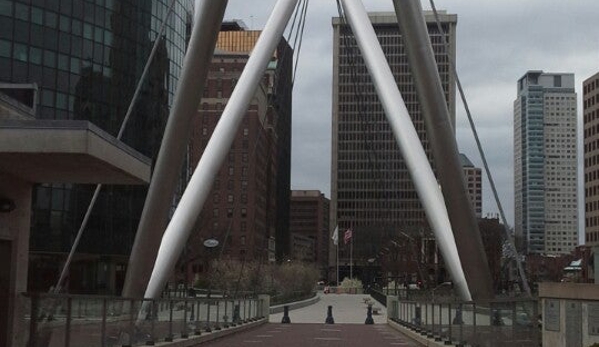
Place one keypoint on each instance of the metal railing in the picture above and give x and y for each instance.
(80, 320)
(497, 323)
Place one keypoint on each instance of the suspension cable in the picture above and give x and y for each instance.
(509, 237)
(301, 38)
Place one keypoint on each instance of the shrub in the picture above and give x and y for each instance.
(351, 283)
(287, 280)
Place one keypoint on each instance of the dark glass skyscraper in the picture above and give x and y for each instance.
(87, 56)
(371, 189)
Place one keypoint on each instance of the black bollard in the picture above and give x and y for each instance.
(330, 319)
(286, 319)
(369, 319)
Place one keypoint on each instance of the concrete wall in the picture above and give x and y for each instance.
(570, 314)
(14, 232)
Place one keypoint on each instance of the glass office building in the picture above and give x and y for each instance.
(86, 56)
(371, 189)
(546, 163)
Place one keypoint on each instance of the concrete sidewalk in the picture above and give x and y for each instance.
(347, 309)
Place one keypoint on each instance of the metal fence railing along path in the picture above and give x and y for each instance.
(57, 320)
(504, 322)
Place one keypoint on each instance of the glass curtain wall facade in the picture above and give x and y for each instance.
(545, 162)
(371, 188)
(87, 56)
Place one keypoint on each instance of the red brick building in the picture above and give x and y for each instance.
(248, 209)
(310, 218)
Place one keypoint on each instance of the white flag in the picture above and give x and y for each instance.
(335, 236)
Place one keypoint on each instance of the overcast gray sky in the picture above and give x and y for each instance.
(497, 42)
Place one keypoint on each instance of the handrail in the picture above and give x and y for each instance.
(74, 320)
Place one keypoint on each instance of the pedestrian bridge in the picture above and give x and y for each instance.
(328, 320)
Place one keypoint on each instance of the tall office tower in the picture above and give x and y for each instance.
(86, 57)
(246, 205)
(473, 177)
(590, 90)
(545, 162)
(371, 188)
(310, 217)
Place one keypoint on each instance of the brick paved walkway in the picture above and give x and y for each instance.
(307, 327)
(316, 335)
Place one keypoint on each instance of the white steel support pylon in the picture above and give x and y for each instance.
(208, 18)
(409, 144)
(194, 197)
(439, 128)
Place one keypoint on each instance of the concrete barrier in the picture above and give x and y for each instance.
(295, 305)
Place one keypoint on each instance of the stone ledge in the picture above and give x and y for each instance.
(295, 305)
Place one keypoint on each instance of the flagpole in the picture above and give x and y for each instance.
(337, 263)
(351, 256)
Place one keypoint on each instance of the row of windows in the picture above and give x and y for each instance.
(592, 236)
(590, 116)
(243, 213)
(590, 86)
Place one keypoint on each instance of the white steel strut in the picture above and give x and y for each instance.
(192, 201)
(407, 139)
(208, 18)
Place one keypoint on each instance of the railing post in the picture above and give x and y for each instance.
(449, 322)
(225, 317)
(433, 317)
(251, 313)
(131, 323)
(67, 333)
(474, 321)
(197, 330)
(425, 323)
(184, 333)
(217, 323)
(192, 315)
(208, 329)
(103, 333)
(535, 323)
(236, 319)
(514, 316)
(461, 337)
(440, 334)
(169, 337)
(33, 320)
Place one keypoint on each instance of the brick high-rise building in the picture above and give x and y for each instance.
(371, 189)
(248, 207)
(310, 217)
(590, 90)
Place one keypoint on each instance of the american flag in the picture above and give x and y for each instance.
(347, 236)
